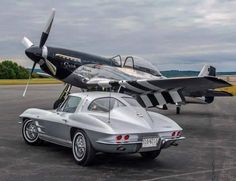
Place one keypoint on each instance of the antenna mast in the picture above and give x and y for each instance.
(109, 113)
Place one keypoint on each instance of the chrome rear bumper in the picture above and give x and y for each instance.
(166, 142)
(136, 146)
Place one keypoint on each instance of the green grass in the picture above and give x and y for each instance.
(32, 81)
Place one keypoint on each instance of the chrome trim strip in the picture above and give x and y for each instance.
(172, 139)
(55, 140)
(38, 125)
(163, 140)
(119, 143)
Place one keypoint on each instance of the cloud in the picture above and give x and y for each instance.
(183, 34)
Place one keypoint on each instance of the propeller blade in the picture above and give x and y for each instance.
(51, 67)
(30, 75)
(32, 70)
(47, 29)
(26, 87)
(26, 42)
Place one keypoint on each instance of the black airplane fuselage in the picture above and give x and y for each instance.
(66, 66)
(66, 62)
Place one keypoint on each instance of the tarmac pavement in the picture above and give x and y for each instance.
(208, 153)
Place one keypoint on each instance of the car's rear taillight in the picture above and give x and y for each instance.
(122, 138)
(179, 133)
(126, 137)
(176, 133)
(118, 138)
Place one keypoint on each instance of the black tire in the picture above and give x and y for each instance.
(86, 156)
(150, 155)
(30, 133)
(177, 110)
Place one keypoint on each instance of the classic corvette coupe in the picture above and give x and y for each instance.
(92, 122)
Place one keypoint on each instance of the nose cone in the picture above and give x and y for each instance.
(34, 53)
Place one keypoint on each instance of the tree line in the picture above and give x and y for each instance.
(11, 70)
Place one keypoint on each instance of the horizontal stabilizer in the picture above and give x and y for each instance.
(218, 93)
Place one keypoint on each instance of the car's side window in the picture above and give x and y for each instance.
(71, 104)
(105, 104)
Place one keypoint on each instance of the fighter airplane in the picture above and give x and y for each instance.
(131, 75)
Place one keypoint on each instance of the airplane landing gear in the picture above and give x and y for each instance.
(178, 108)
(62, 97)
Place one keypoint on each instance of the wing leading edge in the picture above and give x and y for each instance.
(158, 92)
(142, 86)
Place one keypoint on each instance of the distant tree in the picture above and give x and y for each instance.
(11, 70)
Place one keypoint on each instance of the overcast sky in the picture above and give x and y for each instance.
(173, 34)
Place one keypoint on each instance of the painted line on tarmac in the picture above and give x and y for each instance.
(189, 173)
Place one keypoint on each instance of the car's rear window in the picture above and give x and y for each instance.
(105, 104)
(131, 101)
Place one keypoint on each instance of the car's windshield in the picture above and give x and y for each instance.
(105, 104)
(131, 101)
(70, 104)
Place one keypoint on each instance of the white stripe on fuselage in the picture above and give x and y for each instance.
(136, 73)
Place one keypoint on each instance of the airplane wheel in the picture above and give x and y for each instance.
(30, 133)
(57, 103)
(177, 110)
(150, 155)
(83, 151)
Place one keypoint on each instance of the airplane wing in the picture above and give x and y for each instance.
(188, 84)
(156, 92)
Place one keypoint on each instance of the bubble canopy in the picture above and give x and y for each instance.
(136, 63)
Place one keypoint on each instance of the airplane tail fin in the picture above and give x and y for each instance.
(207, 70)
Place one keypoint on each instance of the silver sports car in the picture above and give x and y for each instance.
(91, 122)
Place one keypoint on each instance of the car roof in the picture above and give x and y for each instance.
(98, 94)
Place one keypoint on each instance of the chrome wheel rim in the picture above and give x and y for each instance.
(79, 146)
(31, 131)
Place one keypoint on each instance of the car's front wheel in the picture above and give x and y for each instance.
(83, 151)
(30, 133)
(150, 155)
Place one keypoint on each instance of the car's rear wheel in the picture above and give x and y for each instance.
(83, 151)
(30, 133)
(150, 155)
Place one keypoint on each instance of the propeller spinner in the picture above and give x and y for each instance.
(37, 53)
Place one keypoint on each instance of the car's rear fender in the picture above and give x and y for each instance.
(89, 122)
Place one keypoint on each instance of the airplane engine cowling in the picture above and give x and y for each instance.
(209, 99)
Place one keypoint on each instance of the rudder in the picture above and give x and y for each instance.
(207, 70)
